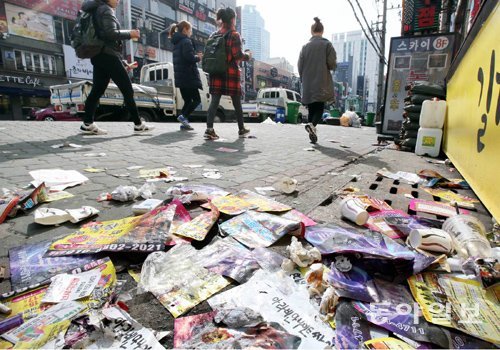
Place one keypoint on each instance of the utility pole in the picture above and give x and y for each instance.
(381, 64)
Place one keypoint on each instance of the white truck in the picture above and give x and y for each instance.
(156, 97)
(269, 99)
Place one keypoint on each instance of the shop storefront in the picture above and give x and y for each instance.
(19, 93)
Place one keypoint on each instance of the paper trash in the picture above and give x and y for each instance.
(65, 287)
(199, 227)
(53, 216)
(279, 299)
(57, 179)
(261, 202)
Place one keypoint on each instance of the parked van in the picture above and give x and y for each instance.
(281, 97)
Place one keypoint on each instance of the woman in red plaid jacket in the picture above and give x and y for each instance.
(230, 83)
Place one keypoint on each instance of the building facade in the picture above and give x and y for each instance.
(280, 62)
(35, 51)
(359, 62)
(255, 36)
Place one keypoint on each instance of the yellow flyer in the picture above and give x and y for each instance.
(55, 196)
(28, 303)
(199, 227)
(261, 202)
(451, 196)
(232, 205)
(145, 233)
(387, 343)
(165, 172)
(458, 303)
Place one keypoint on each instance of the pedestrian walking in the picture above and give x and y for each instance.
(108, 65)
(187, 76)
(229, 83)
(317, 58)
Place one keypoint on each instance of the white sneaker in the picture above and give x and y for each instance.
(311, 129)
(143, 127)
(92, 129)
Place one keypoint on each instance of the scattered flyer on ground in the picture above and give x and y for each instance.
(262, 203)
(279, 299)
(27, 303)
(226, 150)
(38, 331)
(145, 233)
(232, 205)
(178, 282)
(200, 332)
(159, 172)
(296, 215)
(66, 287)
(377, 222)
(436, 208)
(466, 305)
(452, 196)
(57, 179)
(255, 229)
(28, 265)
(199, 227)
(58, 195)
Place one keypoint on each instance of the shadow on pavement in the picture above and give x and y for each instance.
(35, 149)
(169, 137)
(209, 148)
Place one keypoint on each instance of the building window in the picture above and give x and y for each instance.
(35, 62)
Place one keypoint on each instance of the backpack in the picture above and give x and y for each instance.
(84, 37)
(215, 55)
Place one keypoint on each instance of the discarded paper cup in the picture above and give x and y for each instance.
(352, 209)
(286, 185)
(469, 235)
(430, 239)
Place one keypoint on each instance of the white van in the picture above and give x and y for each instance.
(280, 97)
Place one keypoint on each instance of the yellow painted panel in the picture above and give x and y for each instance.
(472, 128)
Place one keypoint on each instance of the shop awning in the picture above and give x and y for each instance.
(9, 90)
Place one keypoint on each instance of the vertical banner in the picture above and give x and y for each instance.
(423, 58)
(472, 128)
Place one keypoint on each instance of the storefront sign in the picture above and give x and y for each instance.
(151, 53)
(212, 16)
(472, 130)
(187, 6)
(61, 8)
(30, 23)
(425, 58)
(201, 12)
(426, 15)
(76, 67)
(27, 80)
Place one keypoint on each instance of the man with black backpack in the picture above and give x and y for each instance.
(107, 62)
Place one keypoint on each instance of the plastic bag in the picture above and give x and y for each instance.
(147, 190)
(302, 256)
(125, 193)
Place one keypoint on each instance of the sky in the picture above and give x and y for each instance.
(289, 21)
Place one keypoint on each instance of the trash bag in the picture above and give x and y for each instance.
(414, 117)
(125, 193)
(426, 88)
(409, 142)
(409, 125)
(418, 99)
(413, 108)
(410, 134)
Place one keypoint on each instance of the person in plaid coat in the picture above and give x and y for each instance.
(230, 83)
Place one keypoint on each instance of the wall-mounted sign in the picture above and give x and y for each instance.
(201, 12)
(9, 55)
(27, 80)
(29, 23)
(187, 6)
(426, 15)
(62, 8)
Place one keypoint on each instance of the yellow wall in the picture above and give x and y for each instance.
(477, 158)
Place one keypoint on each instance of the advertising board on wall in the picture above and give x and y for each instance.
(29, 23)
(61, 8)
(422, 58)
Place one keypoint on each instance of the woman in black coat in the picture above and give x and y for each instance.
(187, 76)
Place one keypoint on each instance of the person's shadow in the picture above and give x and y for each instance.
(209, 148)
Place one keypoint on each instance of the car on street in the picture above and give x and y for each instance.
(49, 114)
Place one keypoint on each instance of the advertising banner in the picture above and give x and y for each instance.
(30, 23)
(423, 58)
(3, 19)
(61, 8)
(76, 67)
(472, 131)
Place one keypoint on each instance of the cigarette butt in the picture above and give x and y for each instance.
(5, 309)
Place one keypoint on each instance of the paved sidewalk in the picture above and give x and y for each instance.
(276, 151)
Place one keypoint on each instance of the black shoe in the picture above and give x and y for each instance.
(312, 132)
(243, 132)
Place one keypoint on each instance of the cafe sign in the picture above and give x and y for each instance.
(28, 80)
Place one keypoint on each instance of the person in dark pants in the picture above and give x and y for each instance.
(187, 76)
(230, 83)
(108, 65)
(317, 58)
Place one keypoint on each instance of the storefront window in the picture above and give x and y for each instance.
(19, 60)
(45, 64)
(36, 61)
(29, 61)
(5, 106)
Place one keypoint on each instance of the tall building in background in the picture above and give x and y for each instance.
(360, 61)
(253, 31)
(280, 62)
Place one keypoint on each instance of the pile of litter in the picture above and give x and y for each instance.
(389, 280)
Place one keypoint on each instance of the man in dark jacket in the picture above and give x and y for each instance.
(108, 65)
(187, 76)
